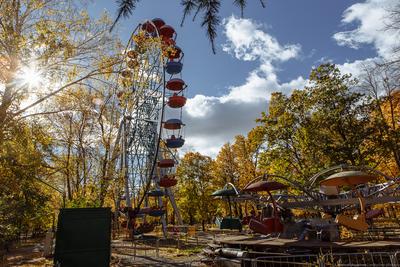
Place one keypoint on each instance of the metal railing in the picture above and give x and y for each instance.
(373, 259)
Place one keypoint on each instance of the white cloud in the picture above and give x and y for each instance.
(357, 67)
(213, 121)
(371, 18)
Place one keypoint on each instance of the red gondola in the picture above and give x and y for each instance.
(176, 84)
(176, 53)
(148, 27)
(158, 22)
(166, 163)
(132, 54)
(167, 31)
(176, 101)
(126, 73)
(173, 124)
(167, 181)
(120, 94)
(168, 41)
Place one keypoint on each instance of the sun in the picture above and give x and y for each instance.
(31, 76)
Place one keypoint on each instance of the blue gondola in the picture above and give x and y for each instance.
(175, 142)
(174, 67)
(156, 213)
(156, 193)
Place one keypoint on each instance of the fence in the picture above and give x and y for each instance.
(373, 259)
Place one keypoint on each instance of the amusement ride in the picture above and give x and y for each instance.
(342, 197)
(151, 95)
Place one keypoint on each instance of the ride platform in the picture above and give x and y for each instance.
(259, 243)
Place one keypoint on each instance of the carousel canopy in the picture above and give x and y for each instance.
(264, 186)
(225, 192)
(348, 178)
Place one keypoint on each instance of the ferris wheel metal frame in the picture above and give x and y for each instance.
(142, 105)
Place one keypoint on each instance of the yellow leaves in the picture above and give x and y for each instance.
(169, 51)
(84, 18)
(127, 83)
(104, 19)
(106, 65)
(143, 42)
(72, 73)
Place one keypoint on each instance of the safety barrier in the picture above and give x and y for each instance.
(373, 259)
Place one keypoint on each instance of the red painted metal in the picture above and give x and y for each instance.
(176, 101)
(148, 27)
(175, 84)
(167, 31)
(168, 41)
(176, 54)
(126, 73)
(168, 181)
(132, 54)
(158, 22)
(267, 226)
(173, 124)
(166, 163)
(120, 94)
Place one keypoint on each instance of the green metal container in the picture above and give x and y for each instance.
(229, 223)
(83, 237)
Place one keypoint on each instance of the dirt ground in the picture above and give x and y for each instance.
(145, 251)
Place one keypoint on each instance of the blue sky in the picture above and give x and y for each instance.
(271, 49)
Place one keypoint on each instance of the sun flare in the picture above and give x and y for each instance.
(31, 76)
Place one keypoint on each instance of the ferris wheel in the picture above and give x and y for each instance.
(151, 86)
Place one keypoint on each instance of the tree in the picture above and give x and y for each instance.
(45, 47)
(327, 123)
(53, 54)
(208, 8)
(381, 83)
(195, 185)
(24, 201)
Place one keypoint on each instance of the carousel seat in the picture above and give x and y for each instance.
(266, 226)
